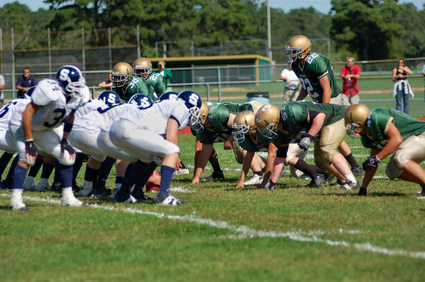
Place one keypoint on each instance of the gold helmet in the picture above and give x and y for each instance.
(244, 124)
(122, 74)
(142, 67)
(356, 116)
(267, 121)
(202, 116)
(298, 47)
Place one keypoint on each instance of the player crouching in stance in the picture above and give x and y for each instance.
(387, 131)
(141, 133)
(45, 124)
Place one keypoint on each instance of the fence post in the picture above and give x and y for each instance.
(208, 92)
(84, 51)
(13, 65)
(110, 48)
(138, 42)
(219, 84)
(50, 51)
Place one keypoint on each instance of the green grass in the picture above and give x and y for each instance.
(294, 233)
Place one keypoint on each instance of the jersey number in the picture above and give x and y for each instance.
(308, 87)
(57, 119)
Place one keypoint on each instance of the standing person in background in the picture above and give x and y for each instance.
(25, 82)
(107, 84)
(1, 91)
(166, 73)
(291, 91)
(423, 70)
(402, 87)
(350, 73)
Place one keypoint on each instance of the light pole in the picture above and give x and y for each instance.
(269, 34)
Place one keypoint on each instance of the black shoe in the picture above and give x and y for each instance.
(101, 192)
(317, 181)
(358, 171)
(141, 197)
(56, 187)
(340, 183)
(215, 175)
(363, 191)
(329, 177)
(6, 184)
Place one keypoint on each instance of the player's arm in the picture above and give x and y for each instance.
(370, 173)
(394, 141)
(228, 144)
(31, 149)
(270, 164)
(172, 129)
(327, 91)
(245, 167)
(65, 146)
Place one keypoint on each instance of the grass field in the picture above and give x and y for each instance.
(294, 233)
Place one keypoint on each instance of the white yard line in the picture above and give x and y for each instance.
(246, 232)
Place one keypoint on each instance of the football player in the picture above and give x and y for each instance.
(142, 68)
(245, 133)
(45, 124)
(316, 75)
(126, 85)
(288, 152)
(322, 123)
(386, 132)
(141, 134)
(217, 127)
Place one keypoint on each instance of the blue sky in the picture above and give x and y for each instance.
(322, 6)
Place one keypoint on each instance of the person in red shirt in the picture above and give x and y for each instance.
(350, 73)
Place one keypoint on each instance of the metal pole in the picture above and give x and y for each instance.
(84, 51)
(1, 50)
(138, 42)
(110, 48)
(13, 65)
(156, 49)
(329, 48)
(219, 84)
(269, 33)
(50, 51)
(193, 49)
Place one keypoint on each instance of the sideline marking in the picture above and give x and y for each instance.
(246, 232)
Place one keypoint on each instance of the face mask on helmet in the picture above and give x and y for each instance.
(298, 47)
(199, 118)
(122, 74)
(243, 124)
(355, 119)
(71, 80)
(119, 80)
(142, 68)
(269, 132)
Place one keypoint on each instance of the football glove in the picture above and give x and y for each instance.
(362, 191)
(66, 147)
(370, 163)
(31, 149)
(305, 142)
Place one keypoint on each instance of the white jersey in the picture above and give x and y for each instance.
(54, 107)
(9, 110)
(103, 117)
(91, 106)
(156, 118)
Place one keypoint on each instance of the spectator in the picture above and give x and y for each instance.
(107, 83)
(423, 70)
(402, 87)
(166, 73)
(350, 73)
(291, 91)
(25, 82)
(1, 91)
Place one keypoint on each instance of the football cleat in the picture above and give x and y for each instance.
(42, 187)
(362, 191)
(318, 181)
(255, 179)
(168, 200)
(141, 197)
(101, 192)
(30, 184)
(329, 177)
(6, 184)
(215, 175)
(181, 171)
(126, 199)
(358, 171)
(85, 191)
(19, 207)
(71, 202)
(349, 185)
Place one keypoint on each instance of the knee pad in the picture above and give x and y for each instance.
(66, 159)
(392, 171)
(237, 150)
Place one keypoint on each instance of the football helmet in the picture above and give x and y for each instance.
(168, 96)
(198, 125)
(140, 100)
(110, 98)
(142, 67)
(243, 124)
(355, 118)
(28, 94)
(267, 121)
(193, 102)
(71, 80)
(122, 74)
(298, 47)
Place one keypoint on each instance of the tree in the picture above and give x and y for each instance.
(367, 30)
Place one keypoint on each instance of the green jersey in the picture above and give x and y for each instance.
(297, 117)
(136, 86)
(255, 144)
(380, 119)
(158, 83)
(219, 117)
(316, 67)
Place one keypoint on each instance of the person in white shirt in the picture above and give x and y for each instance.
(291, 91)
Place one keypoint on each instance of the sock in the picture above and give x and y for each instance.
(306, 168)
(47, 170)
(79, 160)
(4, 161)
(166, 176)
(260, 173)
(35, 168)
(317, 169)
(104, 170)
(65, 172)
(181, 164)
(141, 181)
(90, 175)
(352, 161)
(12, 168)
(350, 177)
(214, 163)
(131, 175)
(57, 175)
(19, 177)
